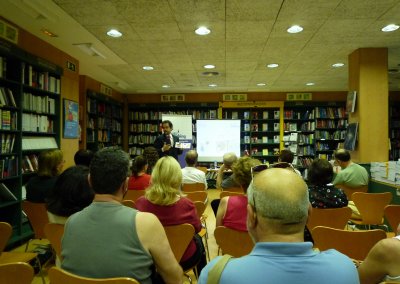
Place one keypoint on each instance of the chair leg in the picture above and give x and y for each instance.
(27, 245)
(188, 277)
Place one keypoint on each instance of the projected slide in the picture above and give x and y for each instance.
(217, 137)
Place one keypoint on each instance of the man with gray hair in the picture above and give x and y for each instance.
(224, 177)
(277, 213)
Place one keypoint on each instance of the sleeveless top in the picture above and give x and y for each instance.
(101, 242)
(236, 213)
(393, 278)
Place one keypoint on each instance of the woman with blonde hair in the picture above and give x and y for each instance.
(164, 199)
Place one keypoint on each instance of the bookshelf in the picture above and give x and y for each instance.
(30, 122)
(103, 121)
(145, 120)
(394, 131)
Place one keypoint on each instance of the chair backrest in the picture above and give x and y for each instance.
(37, 216)
(188, 187)
(203, 169)
(392, 214)
(197, 195)
(348, 190)
(233, 242)
(179, 237)
(234, 189)
(16, 273)
(54, 233)
(329, 217)
(200, 208)
(371, 206)
(5, 234)
(129, 203)
(59, 276)
(354, 244)
(229, 193)
(134, 194)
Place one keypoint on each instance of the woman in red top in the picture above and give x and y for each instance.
(165, 200)
(139, 179)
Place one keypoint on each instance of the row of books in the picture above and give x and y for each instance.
(144, 127)
(93, 106)
(157, 115)
(9, 167)
(37, 123)
(142, 139)
(254, 115)
(342, 123)
(303, 162)
(7, 143)
(299, 138)
(9, 119)
(295, 114)
(265, 139)
(330, 112)
(255, 127)
(395, 133)
(38, 143)
(41, 80)
(307, 150)
(322, 146)
(7, 97)
(29, 163)
(136, 151)
(39, 104)
(338, 134)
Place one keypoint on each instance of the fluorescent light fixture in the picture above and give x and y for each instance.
(212, 85)
(272, 65)
(166, 86)
(209, 66)
(261, 84)
(89, 49)
(338, 65)
(294, 29)
(310, 84)
(390, 28)
(202, 31)
(148, 68)
(114, 33)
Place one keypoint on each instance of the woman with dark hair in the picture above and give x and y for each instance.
(322, 193)
(151, 155)
(139, 179)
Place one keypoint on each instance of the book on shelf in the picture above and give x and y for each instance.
(265, 152)
(265, 139)
(293, 137)
(293, 148)
(254, 139)
(295, 161)
(276, 138)
(276, 126)
(293, 126)
(254, 127)
(38, 143)
(246, 127)
(265, 127)
(286, 138)
(276, 114)
(246, 139)
(276, 152)
(246, 115)
(213, 114)
(265, 114)
(6, 194)
(235, 115)
(254, 115)
(254, 151)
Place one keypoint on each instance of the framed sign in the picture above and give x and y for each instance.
(71, 119)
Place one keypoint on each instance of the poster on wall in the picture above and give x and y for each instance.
(71, 120)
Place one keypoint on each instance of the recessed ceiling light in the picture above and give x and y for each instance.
(114, 33)
(294, 29)
(261, 84)
(148, 68)
(390, 28)
(310, 84)
(212, 85)
(209, 66)
(49, 33)
(337, 65)
(166, 86)
(202, 31)
(272, 65)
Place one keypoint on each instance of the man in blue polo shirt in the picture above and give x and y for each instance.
(276, 216)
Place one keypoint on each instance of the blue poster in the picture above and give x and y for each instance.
(71, 120)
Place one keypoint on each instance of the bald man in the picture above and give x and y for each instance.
(352, 174)
(276, 216)
(190, 174)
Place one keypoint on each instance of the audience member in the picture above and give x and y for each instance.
(352, 174)
(287, 156)
(139, 180)
(151, 155)
(164, 199)
(107, 239)
(166, 142)
(276, 216)
(232, 210)
(224, 178)
(190, 174)
(50, 165)
(83, 157)
(322, 193)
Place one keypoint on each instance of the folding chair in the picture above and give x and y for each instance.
(233, 242)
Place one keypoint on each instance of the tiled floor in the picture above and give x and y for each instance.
(213, 249)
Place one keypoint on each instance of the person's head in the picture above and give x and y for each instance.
(191, 158)
(167, 126)
(83, 157)
(229, 159)
(109, 170)
(242, 170)
(166, 180)
(320, 172)
(278, 205)
(342, 155)
(71, 192)
(139, 164)
(286, 156)
(151, 155)
(50, 162)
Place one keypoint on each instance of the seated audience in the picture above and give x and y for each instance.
(70, 194)
(139, 180)
(352, 174)
(164, 199)
(287, 156)
(50, 165)
(190, 174)
(151, 155)
(83, 157)
(276, 216)
(108, 239)
(322, 193)
(225, 177)
(232, 210)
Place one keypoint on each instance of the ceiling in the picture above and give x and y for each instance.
(245, 36)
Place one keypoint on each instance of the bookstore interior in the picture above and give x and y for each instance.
(49, 99)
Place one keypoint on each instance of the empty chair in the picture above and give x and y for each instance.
(354, 244)
(329, 217)
(16, 273)
(54, 233)
(37, 216)
(392, 214)
(59, 276)
(128, 203)
(134, 194)
(188, 187)
(348, 190)
(235, 243)
(197, 195)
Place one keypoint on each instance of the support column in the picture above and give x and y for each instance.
(368, 75)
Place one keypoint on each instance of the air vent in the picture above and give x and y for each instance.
(210, 74)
